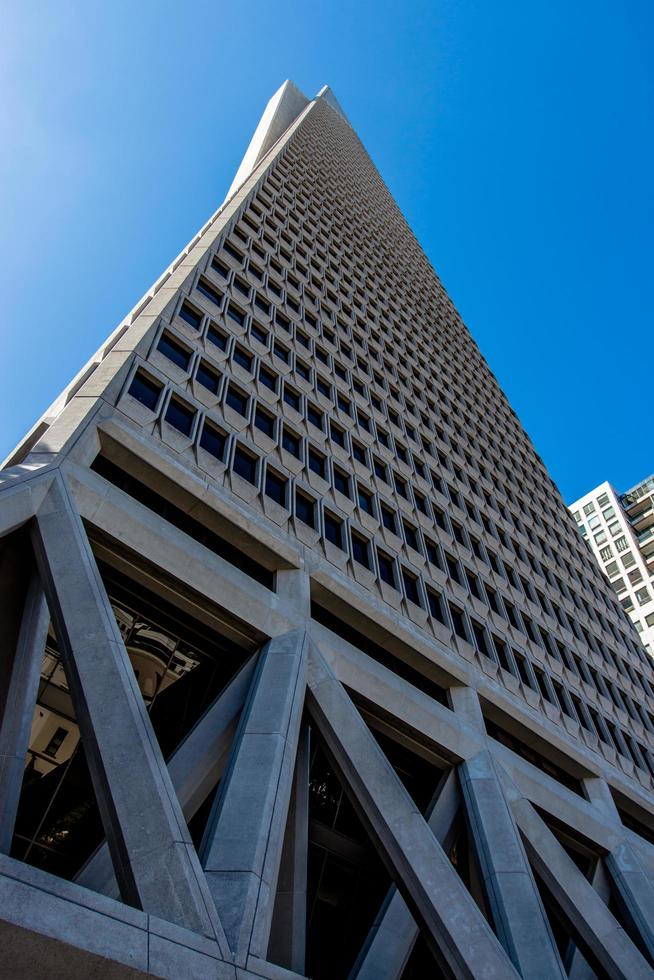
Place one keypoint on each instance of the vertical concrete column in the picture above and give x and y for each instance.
(153, 855)
(394, 932)
(194, 768)
(465, 702)
(287, 944)
(599, 794)
(293, 588)
(242, 847)
(510, 889)
(451, 922)
(21, 673)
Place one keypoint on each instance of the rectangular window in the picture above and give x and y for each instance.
(180, 416)
(275, 487)
(292, 398)
(217, 337)
(245, 464)
(259, 334)
(360, 549)
(213, 441)
(365, 501)
(209, 291)
(481, 639)
(341, 482)
(174, 351)
(502, 653)
(411, 536)
(237, 400)
(192, 316)
(220, 268)
(334, 529)
(401, 487)
(386, 568)
(381, 470)
(145, 389)
(411, 589)
(281, 352)
(268, 378)
(314, 416)
(55, 742)
(291, 442)
(359, 453)
(207, 377)
(265, 422)
(235, 314)
(435, 602)
(337, 435)
(243, 358)
(458, 621)
(305, 508)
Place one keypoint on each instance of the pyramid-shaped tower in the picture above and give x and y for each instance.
(306, 670)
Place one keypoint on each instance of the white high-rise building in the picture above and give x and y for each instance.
(619, 530)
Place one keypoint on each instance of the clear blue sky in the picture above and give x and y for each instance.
(516, 137)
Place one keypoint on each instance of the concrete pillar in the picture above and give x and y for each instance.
(242, 847)
(457, 933)
(465, 702)
(394, 932)
(578, 966)
(594, 929)
(287, 945)
(21, 674)
(635, 890)
(599, 794)
(153, 855)
(515, 905)
(293, 587)
(194, 768)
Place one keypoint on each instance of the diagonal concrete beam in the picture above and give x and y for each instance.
(394, 932)
(635, 890)
(194, 768)
(451, 922)
(577, 964)
(153, 855)
(515, 905)
(242, 846)
(22, 683)
(596, 932)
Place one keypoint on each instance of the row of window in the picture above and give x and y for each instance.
(245, 463)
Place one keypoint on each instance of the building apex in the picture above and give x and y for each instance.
(282, 110)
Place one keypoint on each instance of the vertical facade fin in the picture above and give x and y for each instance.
(242, 847)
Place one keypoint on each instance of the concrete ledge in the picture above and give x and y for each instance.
(55, 929)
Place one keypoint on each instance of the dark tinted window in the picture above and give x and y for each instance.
(174, 351)
(180, 416)
(145, 390)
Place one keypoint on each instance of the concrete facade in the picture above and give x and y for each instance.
(305, 663)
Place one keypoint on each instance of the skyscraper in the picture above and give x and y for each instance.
(285, 533)
(619, 530)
